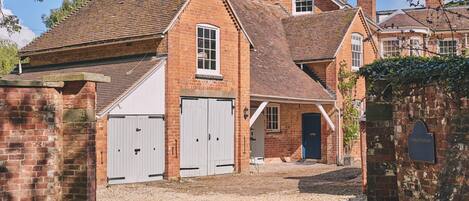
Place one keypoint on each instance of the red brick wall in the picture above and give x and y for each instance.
(29, 147)
(47, 142)
(79, 145)
(101, 151)
(288, 142)
(431, 42)
(181, 69)
(345, 54)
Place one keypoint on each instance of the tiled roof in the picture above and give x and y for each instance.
(124, 73)
(400, 20)
(273, 72)
(433, 19)
(317, 36)
(106, 20)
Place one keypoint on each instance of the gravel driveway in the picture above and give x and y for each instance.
(287, 181)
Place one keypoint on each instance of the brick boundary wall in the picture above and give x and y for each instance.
(381, 163)
(392, 175)
(47, 138)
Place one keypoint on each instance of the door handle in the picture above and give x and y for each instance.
(138, 129)
(209, 136)
(136, 151)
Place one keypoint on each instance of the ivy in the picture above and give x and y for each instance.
(351, 114)
(449, 73)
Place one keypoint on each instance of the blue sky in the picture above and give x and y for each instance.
(30, 11)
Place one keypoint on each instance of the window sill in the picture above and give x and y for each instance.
(355, 69)
(272, 131)
(209, 77)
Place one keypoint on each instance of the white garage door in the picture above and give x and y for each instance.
(135, 149)
(207, 137)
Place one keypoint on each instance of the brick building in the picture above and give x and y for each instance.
(187, 86)
(424, 31)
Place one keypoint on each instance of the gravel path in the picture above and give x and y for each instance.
(287, 181)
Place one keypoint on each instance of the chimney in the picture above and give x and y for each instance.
(369, 8)
(434, 3)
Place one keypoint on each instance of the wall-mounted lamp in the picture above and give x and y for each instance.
(246, 113)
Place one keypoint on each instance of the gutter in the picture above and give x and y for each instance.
(92, 44)
(314, 61)
(284, 99)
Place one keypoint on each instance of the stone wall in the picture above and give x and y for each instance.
(392, 175)
(449, 122)
(47, 138)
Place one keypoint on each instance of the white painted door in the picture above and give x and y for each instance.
(135, 149)
(221, 136)
(207, 137)
(258, 138)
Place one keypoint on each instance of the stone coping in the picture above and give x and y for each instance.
(30, 83)
(79, 76)
(56, 80)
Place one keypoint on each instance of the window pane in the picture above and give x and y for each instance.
(213, 65)
(213, 45)
(200, 63)
(213, 34)
(200, 32)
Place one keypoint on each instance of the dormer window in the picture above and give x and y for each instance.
(208, 50)
(302, 6)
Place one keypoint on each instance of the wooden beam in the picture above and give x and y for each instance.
(257, 113)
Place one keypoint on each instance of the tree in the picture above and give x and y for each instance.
(8, 57)
(59, 14)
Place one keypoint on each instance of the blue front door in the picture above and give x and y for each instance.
(311, 125)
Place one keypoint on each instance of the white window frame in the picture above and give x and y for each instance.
(389, 39)
(419, 48)
(215, 72)
(449, 39)
(267, 120)
(360, 36)
(294, 12)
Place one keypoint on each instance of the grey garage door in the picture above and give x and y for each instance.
(207, 137)
(135, 149)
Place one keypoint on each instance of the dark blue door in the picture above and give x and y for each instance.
(311, 136)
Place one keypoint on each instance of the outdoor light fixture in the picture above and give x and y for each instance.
(246, 113)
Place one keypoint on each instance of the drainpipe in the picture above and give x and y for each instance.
(20, 68)
(338, 154)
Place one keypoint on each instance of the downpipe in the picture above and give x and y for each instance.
(339, 159)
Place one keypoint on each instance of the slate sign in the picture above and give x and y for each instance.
(422, 144)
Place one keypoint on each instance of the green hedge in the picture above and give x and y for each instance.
(451, 73)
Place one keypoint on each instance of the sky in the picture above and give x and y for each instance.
(30, 12)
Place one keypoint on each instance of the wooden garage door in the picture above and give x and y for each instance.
(135, 149)
(207, 137)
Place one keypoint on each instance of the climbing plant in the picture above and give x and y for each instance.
(351, 114)
(449, 73)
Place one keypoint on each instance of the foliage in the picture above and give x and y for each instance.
(59, 14)
(456, 3)
(8, 57)
(351, 114)
(449, 73)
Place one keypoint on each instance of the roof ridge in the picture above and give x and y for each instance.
(58, 23)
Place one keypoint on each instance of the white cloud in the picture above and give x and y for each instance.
(21, 38)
